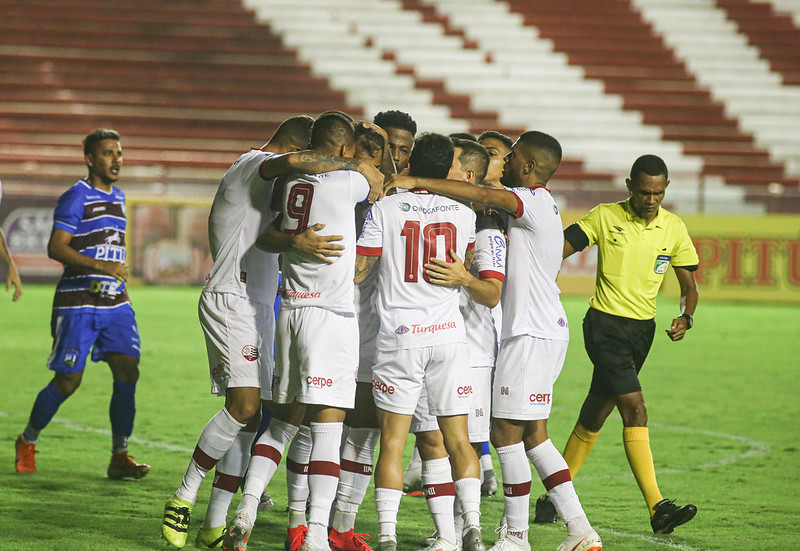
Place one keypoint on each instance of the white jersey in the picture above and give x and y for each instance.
(328, 199)
(241, 210)
(489, 262)
(407, 230)
(531, 303)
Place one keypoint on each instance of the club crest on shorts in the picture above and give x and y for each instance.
(662, 263)
(71, 357)
(250, 353)
(402, 330)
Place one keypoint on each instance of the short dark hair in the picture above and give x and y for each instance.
(473, 157)
(95, 137)
(294, 131)
(508, 142)
(369, 139)
(431, 157)
(396, 119)
(652, 165)
(463, 136)
(332, 129)
(535, 141)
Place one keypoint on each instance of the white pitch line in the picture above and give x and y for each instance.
(649, 539)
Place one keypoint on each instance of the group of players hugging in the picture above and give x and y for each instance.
(418, 291)
(390, 322)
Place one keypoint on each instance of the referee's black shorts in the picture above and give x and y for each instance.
(617, 347)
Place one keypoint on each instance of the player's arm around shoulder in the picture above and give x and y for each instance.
(455, 189)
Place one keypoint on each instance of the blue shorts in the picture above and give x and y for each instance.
(102, 333)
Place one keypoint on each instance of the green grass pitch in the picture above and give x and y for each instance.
(723, 409)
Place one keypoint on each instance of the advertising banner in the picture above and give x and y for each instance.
(742, 258)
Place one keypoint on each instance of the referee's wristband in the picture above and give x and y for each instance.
(689, 320)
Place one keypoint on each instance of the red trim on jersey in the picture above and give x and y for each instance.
(204, 460)
(368, 251)
(420, 190)
(520, 208)
(439, 490)
(470, 246)
(269, 452)
(357, 468)
(328, 468)
(556, 479)
(517, 490)
(491, 274)
(227, 482)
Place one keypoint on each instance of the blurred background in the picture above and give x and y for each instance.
(712, 86)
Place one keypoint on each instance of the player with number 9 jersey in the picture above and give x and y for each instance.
(327, 199)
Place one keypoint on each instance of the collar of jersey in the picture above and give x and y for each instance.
(420, 190)
(90, 186)
(632, 217)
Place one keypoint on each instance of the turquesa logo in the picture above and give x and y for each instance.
(402, 330)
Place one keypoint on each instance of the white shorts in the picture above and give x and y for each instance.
(422, 420)
(480, 413)
(399, 375)
(316, 357)
(527, 369)
(239, 337)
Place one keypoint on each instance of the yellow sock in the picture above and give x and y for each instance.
(578, 446)
(640, 458)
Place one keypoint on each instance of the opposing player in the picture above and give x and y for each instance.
(12, 279)
(317, 337)
(534, 339)
(421, 341)
(237, 318)
(91, 308)
(637, 242)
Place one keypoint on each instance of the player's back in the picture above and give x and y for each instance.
(416, 227)
(328, 199)
(240, 211)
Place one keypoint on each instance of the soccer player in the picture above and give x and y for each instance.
(421, 341)
(13, 275)
(237, 318)
(637, 242)
(317, 336)
(91, 309)
(534, 338)
(401, 129)
(360, 423)
(498, 146)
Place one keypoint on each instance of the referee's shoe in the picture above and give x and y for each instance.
(667, 516)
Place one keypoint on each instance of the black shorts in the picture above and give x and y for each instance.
(617, 347)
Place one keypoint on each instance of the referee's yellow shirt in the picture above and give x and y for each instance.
(632, 258)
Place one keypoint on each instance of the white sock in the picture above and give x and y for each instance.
(468, 491)
(554, 472)
(354, 477)
(265, 458)
(297, 457)
(215, 440)
(486, 463)
(440, 493)
(227, 479)
(387, 503)
(516, 474)
(323, 478)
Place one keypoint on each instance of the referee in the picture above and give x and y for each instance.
(637, 241)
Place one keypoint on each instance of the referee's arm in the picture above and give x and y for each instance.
(689, 298)
(575, 239)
